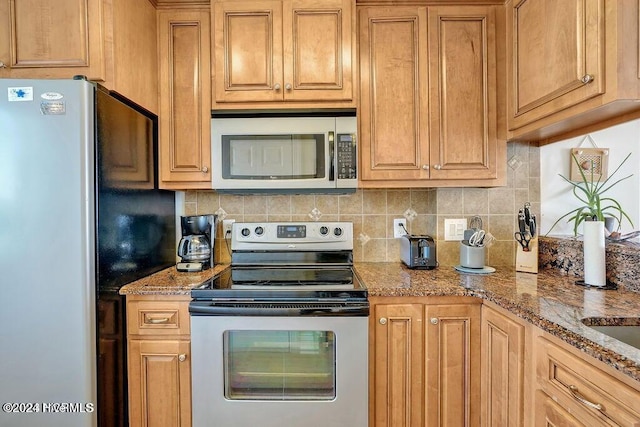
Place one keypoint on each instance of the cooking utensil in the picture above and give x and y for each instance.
(475, 223)
(527, 213)
(532, 226)
(522, 225)
(523, 239)
(477, 238)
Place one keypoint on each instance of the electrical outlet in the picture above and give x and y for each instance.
(454, 228)
(226, 227)
(399, 227)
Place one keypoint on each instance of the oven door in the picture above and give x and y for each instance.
(279, 371)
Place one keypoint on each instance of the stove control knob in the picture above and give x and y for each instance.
(245, 232)
(259, 231)
(324, 230)
(337, 231)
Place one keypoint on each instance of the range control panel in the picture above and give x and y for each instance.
(292, 235)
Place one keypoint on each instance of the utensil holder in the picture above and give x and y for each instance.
(472, 256)
(527, 262)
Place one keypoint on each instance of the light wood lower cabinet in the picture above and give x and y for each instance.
(159, 361)
(425, 362)
(503, 368)
(591, 395)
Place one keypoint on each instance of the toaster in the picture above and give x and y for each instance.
(418, 251)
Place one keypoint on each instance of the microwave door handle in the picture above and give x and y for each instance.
(331, 157)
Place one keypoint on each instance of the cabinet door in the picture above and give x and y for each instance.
(248, 51)
(462, 91)
(396, 364)
(452, 365)
(317, 40)
(159, 383)
(502, 370)
(51, 39)
(185, 99)
(393, 94)
(557, 49)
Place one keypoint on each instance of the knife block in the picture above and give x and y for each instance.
(527, 262)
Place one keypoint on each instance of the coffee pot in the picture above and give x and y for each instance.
(196, 246)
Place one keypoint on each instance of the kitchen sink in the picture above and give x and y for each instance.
(626, 329)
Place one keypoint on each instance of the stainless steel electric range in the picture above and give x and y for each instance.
(281, 338)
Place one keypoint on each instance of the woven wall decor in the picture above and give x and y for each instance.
(591, 160)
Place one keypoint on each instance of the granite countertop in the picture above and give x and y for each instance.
(548, 300)
(171, 282)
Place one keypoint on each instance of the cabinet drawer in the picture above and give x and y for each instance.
(583, 389)
(158, 318)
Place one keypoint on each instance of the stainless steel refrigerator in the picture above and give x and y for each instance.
(80, 216)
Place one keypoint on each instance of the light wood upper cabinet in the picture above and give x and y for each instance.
(428, 97)
(185, 99)
(462, 76)
(99, 39)
(572, 66)
(283, 50)
(557, 56)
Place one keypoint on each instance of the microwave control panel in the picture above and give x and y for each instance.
(347, 156)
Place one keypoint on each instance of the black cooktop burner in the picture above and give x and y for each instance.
(283, 283)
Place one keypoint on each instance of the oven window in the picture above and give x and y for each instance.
(272, 157)
(279, 365)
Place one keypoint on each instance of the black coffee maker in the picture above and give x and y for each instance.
(197, 244)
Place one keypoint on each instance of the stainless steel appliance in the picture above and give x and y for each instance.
(280, 339)
(80, 218)
(196, 247)
(418, 251)
(284, 153)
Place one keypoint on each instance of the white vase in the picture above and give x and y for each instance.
(595, 272)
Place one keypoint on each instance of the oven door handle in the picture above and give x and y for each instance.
(207, 308)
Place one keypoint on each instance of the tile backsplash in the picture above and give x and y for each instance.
(372, 211)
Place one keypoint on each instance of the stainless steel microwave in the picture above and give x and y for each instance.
(284, 154)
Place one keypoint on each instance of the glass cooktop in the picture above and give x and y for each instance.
(283, 283)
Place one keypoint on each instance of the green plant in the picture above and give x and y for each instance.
(589, 192)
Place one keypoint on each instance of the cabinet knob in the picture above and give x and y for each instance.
(437, 167)
(288, 86)
(205, 169)
(276, 86)
(587, 78)
(383, 320)
(182, 357)
(425, 167)
(2, 65)
(434, 320)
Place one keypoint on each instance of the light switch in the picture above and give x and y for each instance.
(454, 228)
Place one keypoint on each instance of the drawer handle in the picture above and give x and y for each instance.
(383, 320)
(182, 357)
(576, 395)
(157, 321)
